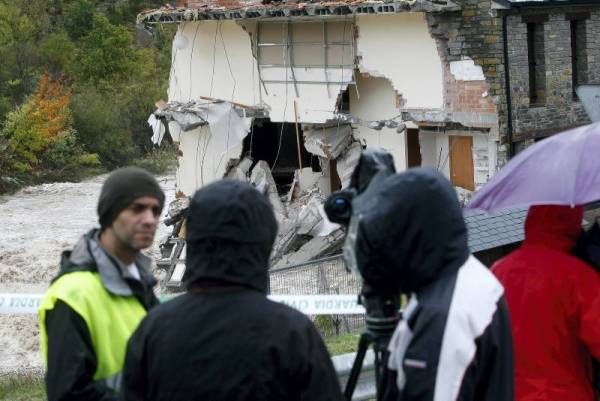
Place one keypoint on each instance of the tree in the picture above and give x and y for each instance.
(37, 123)
(78, 18)
(106, 57)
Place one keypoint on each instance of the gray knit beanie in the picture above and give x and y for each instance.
(121, 188)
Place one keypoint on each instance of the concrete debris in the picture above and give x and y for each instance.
(239, 170)
(188, 115)
(401, 128)
(376, 125)
(347, 162)
(316, 247)
(263, 180)
(176, 207)
(305, 180)
(328, 142)
(310, 218)
(391, 124)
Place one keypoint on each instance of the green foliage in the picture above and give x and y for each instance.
(159, 160)
(105, 57)
(57, 53)
(78, 18)
(66, 159)
(99, 120)
(110, 80)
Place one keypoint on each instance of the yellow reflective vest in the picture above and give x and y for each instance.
(110, 319)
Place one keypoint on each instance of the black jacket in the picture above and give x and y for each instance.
(71, 355)
(223, 339)
(454, 342)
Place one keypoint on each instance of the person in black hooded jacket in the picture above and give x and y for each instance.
(223, 339)
(454, 340)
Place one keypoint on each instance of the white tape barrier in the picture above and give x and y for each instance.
(20, 304)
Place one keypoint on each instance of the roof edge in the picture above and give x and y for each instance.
(330, 10)
(546, 3)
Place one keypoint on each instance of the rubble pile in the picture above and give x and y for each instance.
(305, 233)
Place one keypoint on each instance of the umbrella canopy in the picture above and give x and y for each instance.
(563, 169)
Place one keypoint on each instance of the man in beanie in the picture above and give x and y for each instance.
(224, 340)
(102, 291)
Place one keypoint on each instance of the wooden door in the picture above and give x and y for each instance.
(461, 162)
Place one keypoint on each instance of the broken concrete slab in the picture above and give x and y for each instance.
(263, 180)
(309, 217)
(316, 247)
(327, 142)
(347, 162)
(305, 180)
(239, 170)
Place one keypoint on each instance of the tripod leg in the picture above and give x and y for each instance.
(363, 345)
(381, 357)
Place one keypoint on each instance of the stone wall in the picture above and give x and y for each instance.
(556, 110)
(476, 32)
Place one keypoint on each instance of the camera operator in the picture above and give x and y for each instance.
(407, 235)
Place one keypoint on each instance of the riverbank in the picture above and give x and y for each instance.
(38, 223)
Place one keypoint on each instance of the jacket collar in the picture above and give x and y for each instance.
(88, 252)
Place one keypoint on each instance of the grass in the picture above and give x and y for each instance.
(31, 388)
(22, 388)
(342, 344)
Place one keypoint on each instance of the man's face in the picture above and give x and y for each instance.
(136, 225)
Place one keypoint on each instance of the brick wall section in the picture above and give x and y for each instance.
(475, 33)
(469, 96)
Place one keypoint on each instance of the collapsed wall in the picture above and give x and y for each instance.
(288, 105)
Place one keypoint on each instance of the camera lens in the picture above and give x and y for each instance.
(338, 206)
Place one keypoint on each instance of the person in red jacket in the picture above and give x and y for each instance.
(554, 303)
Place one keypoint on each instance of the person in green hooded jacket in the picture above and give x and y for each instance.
(102, 291)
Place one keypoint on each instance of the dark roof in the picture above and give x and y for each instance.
(195, 10)
(487, 231)
(545, 3)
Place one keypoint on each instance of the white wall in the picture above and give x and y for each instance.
(400, 48)
(199, 61)
(376, 100)
(200, 164)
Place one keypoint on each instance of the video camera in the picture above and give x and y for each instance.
(381, 300)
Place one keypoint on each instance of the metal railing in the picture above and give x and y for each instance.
(321, 276)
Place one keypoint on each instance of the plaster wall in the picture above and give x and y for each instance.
(399, 47)
(375, 99)
(200, 164)
(214, 59)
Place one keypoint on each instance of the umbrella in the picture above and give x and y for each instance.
(563, 169)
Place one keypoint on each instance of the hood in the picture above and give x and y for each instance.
(230, 232)
(89, 255)
(409, 231)
(553, 226)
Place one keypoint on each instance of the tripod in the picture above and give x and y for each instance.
(379, 342)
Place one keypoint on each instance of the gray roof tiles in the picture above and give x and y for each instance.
(490, 231)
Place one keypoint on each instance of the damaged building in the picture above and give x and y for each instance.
(286, 94)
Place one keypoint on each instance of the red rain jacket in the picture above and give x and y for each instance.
(554, 304)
